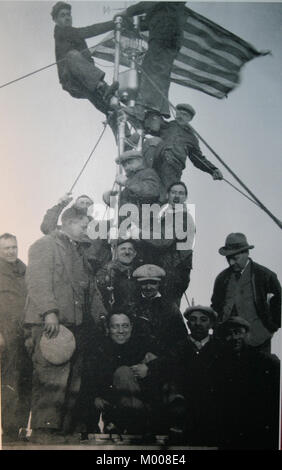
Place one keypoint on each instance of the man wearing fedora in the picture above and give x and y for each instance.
(249, 383)
(178, 141)
(248, 290)
(57, 285)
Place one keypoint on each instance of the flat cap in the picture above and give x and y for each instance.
(128, 155)
(59, 6)
(233, 322)
(210, 312)
(60, 349)
(149, 272)
(186, 107)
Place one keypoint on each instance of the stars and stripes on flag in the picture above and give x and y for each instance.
(209, 60)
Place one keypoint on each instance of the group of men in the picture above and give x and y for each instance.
(92, 328)
(85, 336)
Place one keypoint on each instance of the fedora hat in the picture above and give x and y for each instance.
(235, 243)
(60, 349)
(210, 312)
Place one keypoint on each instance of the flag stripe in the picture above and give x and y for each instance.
(200, 65)
(210, 58)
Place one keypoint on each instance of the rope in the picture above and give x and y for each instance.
(88, 159)
(255, 199)
(46, 67)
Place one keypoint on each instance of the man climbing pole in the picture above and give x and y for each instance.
(165, 22)
(77, 71)
(177, 142)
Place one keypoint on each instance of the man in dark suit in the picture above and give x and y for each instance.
(249, 290)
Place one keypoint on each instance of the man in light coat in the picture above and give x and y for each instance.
(57, 285)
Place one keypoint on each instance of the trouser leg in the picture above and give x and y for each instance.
(83, 71)
(48, 389)
(169, 169)
(156, 67)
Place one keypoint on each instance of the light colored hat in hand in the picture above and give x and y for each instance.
(60, 349)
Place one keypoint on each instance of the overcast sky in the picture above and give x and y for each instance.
(46, 135)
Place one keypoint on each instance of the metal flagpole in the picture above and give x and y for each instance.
(121, 133)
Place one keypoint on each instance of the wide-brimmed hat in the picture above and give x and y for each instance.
(150, 272)
(235, 243)
(232, 322)
(60, 349)
(210, 312)
(128, 155)
(186, 107)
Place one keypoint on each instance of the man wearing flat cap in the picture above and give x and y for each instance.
(76, 69)
(248, 390)
(248, 290)
(177, 142)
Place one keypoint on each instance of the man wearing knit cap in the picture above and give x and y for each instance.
(248, 290)
(178, 142)
(248, 389)
(76, 69)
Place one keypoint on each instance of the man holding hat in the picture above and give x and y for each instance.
(57, 285)
(76, 69)
(248, 391)
(248, 290)
(178, 142)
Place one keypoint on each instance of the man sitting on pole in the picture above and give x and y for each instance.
(76, 69)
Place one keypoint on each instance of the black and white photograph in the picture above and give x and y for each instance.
(140, 228)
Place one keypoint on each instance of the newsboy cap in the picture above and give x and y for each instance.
(233, 322)
(128, 155)
(186, 107)
(210, 312)
(59, 6)
(60, 349)
(235, 243)
(150, 272)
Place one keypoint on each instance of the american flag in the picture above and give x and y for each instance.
(210, 58)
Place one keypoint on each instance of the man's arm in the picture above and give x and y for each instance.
(52, 215)
(95, 29)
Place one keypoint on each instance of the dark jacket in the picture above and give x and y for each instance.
(56, 280)
(115, 277)
(182, 141)
(248, 390)
(264, 282)
(68, 38)
(158, 321)
(143, 187)
(12, 298)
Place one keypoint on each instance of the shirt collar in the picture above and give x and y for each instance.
(201, 343)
